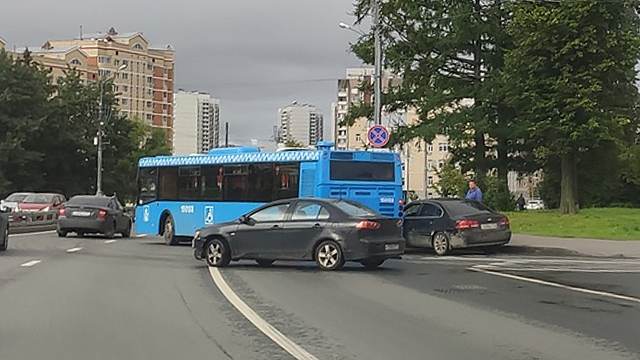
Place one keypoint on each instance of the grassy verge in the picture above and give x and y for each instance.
(596, 223)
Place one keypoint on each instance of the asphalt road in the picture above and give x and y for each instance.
(138, 299)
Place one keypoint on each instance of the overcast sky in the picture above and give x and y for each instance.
(255, 55)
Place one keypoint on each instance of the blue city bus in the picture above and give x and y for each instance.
(179, 194)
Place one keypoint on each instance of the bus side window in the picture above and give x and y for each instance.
(147, 185)
(287, 181)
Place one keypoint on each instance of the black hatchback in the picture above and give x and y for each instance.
(327, 231)
(446, 224)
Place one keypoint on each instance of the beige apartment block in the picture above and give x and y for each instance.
(144, 88)
(58, 61)
(2, 43)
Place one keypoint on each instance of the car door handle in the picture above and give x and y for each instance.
(275, 227)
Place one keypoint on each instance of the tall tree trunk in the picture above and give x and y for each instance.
(568, 183)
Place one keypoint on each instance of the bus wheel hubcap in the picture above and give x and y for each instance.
(215, 253)
(328, 255)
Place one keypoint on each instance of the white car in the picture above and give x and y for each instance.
(12, 201)
(534, 205)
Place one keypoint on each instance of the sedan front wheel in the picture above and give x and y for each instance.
(217, 253)
(329, 255)
(441, 244)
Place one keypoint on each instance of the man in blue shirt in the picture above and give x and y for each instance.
(474, 192)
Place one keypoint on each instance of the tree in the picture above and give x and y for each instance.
(450, 54)
(452, 182)
(571, 78)
(24, 94)
(293, 143)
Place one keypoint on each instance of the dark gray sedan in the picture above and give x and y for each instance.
(326, 231)
(446, 224)
(4, 230)
(93, 214)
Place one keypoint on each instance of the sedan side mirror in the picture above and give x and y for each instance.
(244, 219)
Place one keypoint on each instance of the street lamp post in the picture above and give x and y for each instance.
(100, 131)
(377, 54)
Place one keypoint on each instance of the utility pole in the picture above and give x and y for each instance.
(377, 110)
(226, 134)
(99, 140)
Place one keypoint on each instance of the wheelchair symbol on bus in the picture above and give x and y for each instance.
(208, 215)
(145, 214)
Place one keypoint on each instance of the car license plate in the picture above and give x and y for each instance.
(81, 213)
(391, 246)
(489, 226)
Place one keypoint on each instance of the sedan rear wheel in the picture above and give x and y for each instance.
(217, 253)
(440, 244)
(329, 255)
(62, 233)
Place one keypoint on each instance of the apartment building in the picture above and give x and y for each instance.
(197, 122)
(301, 123)
(143, 75)
(3, 43)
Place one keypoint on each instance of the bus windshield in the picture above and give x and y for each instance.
(362, 170)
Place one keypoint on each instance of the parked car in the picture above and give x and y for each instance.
(327, 231)
(4, 230)
(447, 224)
(42, 202)
(11, 202)
(534, 204)
(93, 214)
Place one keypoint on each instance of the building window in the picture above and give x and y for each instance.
(444, 147)
(75, 62)
(430, 180)
(148, 116)
(440, 164)
(358, 137)
(125, 76)
(125, 62)
(429, 147)
(138, 47)
(149, 92)
(148, 104)
(149, 67)
(125, 88)
(104, 59)
(429, 164)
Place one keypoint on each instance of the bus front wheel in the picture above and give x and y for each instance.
(168, 232)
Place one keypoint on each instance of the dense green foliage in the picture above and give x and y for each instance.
(520, 86)
(47, 132)
(595, 223)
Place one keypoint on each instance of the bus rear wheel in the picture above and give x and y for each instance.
(169, 233)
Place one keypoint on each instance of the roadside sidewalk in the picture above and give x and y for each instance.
(590, 247)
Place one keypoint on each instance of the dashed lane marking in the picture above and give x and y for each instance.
(557, 285)
(140, 235)
(274, 334)
(75, 249)
(31, 263)
(110, 241)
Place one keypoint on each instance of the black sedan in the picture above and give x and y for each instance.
(447, 224)
(93, 214)
(4, 230)
(326, 231)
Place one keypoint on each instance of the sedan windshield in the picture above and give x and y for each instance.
(38, 199)
(89, 200)
(354, 209)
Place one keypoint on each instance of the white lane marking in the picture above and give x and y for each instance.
(558, 285)
(551, 269)
(110, 241)
(274, 334)
(140, 235)
(31, 263)
(34, 233)
(75, 249)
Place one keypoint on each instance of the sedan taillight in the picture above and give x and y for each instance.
(102, 214)
(467, 224)
(504, 222)
(62, 212)
(367, 225)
